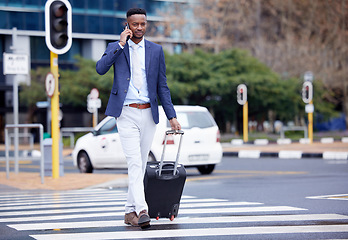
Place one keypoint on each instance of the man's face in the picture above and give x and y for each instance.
(137, 23)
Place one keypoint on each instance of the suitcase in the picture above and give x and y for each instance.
(164, 183)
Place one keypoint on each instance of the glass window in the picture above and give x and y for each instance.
(78, 4)
(32, 21)
(109, 127)
(2, 44)
(16, 20)
(3, 19)
(93, 24)
(34, 2)
(194, 119)
(122, 5)
(78, 23)
(93, 4)
(16, 2)
(109, 25)
(38, 49)
(108, 5)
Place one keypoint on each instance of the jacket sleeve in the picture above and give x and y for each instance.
(109, 57)
(163, 89)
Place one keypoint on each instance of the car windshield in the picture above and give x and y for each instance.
(108, 127)
(189, 120)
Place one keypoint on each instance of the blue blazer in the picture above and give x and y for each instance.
(155, 69)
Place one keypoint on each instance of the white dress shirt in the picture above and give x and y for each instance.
(133, 95)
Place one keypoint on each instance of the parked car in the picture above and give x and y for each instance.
(201, 148)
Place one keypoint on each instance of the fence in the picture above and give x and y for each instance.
(8, 142)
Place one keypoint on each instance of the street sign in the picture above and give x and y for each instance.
(94, 103)
(16, 64)
(242, 94)
(50, 84)
(94, 93)
(307, 92)
(309, 108)
(308, 76)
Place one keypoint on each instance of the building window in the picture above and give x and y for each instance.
(93, 24)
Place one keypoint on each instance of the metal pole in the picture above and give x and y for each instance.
(54, 113)
(95, 117)
(42, 172)
(15, 101)
(310, 125)
(15, 121)
(7, 154)
(245, 122)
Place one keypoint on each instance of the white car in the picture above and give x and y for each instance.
(201, 148)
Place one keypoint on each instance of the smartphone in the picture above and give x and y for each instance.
(128, 37)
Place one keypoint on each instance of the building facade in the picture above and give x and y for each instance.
(95, 24)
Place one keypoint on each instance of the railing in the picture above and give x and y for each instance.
(30, 136)
(70, 132)
(294, 128)
(7, 144)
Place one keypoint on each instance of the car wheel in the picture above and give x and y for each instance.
(151, 157)
(84, 163)
(206, 169)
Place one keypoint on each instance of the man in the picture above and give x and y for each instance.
(139, 77)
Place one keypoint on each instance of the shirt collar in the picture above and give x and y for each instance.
(141, 43)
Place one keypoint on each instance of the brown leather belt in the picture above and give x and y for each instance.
(140, 106)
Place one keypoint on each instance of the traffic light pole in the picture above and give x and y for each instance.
(310, 125)
(54, 117)
(245, 122)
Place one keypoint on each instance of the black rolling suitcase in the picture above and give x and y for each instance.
(164, 183)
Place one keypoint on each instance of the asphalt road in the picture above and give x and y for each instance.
(265, 198)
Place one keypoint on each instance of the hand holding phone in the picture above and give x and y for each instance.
(127, 27)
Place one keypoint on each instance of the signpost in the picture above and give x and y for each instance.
(242, 99)
(307, 97)
(93, 103)
(17, 65)
(58, 28)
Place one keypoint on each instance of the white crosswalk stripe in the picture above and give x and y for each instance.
(98, 214)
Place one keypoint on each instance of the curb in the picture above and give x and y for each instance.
(287, 154)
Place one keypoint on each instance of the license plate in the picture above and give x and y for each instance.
(198, 157)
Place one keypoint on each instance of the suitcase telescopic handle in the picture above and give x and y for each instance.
(171, 132)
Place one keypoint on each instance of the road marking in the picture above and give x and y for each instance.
(68, 208)
(199, 232)
(242, 174)
(106, 212)
(182, 220)
(331, 197)
(197, 218)
(77, 202)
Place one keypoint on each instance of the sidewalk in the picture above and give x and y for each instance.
(315, 149)
(32, 181)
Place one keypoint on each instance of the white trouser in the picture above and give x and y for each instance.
(136, 129)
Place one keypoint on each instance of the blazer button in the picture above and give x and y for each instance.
(128, 79)
(125, 91)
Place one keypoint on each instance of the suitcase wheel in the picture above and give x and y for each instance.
(172, 218)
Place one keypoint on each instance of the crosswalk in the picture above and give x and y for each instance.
(98, 214)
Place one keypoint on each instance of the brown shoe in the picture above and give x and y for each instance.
(144, 219)
(131, 219)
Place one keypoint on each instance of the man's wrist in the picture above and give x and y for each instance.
(172, 118)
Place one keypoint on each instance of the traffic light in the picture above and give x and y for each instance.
(307, 92)
(242, 94)
(58, 21)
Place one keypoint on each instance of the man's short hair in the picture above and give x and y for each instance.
(134, 11)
